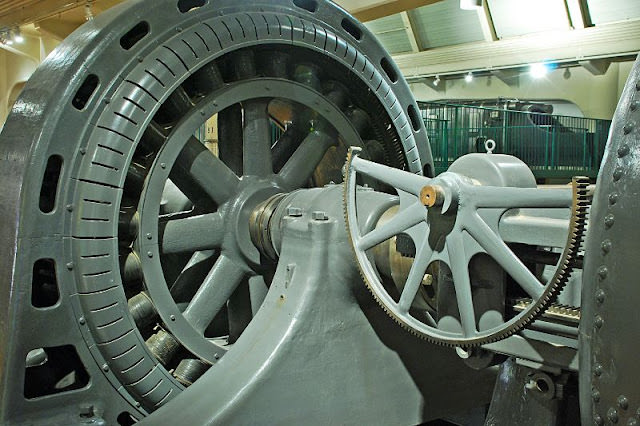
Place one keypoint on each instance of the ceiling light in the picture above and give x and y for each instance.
(17, 36)
(538, 70)
(470, 4)
(468, 78)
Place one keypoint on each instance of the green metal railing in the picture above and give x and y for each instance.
(553, 146)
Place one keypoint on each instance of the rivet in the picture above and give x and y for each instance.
(163, 165)
(138, 404)
(70, 266)
(82, 321)
(107, 101)
(613, 198)
(595, 395)
(627, 129)
(282, 297)
(617, 173)
(216, 356)
(83, 151)
(634, 105)
(606, 246)
(597, 419)
(612, 415)
(609, 220)
(598, 369)
(623, 402)
(202, 113)
(598, 321)
(600, 296)
(623, 150)
(602, 272)
(179, 29)
(69, 207)
(172, 317)
(105, 368)
(149, 236)
(150, 254)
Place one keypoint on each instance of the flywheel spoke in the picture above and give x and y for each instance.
(286, 145)
(501, 253)
(207, 171)
(416, 275)
(217, 288)
(186, 285)
(399, 179)
(460, 271)
(192, 234)
(257, 138)
(230, 137)
(402, 221)
(297, 171)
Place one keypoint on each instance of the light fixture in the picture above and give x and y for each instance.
(538, 70)
(17, 36)
(88, 10)
(436, 81)
(470, 4)
(469, 77)
(567, 73)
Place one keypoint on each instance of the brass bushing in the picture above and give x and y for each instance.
(432, 195)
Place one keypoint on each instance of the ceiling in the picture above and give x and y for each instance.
(424, 33)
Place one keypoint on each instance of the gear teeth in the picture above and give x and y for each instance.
(577, 225)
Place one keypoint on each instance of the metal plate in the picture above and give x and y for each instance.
(609, 329)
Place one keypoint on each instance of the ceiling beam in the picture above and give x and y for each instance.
(27, 12)
(579, 15)
(388, 7)
(414, 37)
(596, 66)
(486, 22)
(621, 39)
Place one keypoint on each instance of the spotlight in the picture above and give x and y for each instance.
(470, 4)
(468, 78)
(538, 70)
(436, 81)
(17, 36)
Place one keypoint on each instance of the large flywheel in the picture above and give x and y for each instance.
(141, 223)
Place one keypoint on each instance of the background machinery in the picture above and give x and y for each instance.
(146, 278)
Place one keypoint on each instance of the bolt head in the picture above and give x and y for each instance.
(105, 368)
(320, 216)
(294, 211)
(70, 266)
(82, 321)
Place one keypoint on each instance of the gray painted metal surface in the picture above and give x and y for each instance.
(609, 331)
